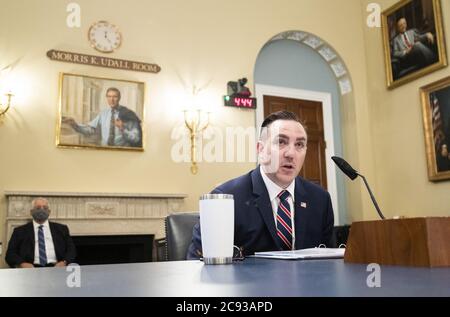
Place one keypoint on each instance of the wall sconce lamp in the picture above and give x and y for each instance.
(5, 108)
(193, 121)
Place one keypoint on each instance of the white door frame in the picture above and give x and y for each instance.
(325, 99)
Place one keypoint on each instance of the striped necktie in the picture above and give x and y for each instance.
(41, 243)
(284, 221)
(112, 129)
(407, 42)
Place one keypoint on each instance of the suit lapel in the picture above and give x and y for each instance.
(262, 203)
(302, 210)
(54, 233)
(30, 237)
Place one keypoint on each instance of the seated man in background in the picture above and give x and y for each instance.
(40, 243)
(275, 209)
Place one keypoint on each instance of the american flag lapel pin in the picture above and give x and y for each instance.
(303, 204)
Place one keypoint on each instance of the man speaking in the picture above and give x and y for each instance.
(275, 209)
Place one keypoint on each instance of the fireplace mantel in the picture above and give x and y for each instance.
(81, 194)
(97, 213)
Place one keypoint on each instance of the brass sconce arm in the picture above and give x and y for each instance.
(195, 126)
(7, 106)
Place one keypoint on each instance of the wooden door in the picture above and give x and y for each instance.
(311, 115)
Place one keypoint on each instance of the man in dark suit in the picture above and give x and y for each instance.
(274, 208)
(40, 243)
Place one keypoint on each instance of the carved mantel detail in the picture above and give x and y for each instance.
(97, 213)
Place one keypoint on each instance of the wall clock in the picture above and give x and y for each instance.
(104, 37)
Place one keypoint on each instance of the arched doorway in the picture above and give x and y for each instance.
(299, 65)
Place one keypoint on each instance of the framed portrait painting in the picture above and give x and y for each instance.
(413, 40)
(436, 119)
(100, 113)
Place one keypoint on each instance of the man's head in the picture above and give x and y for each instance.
(113, 97)
(282, 147)
(402, 25)
(40, 210)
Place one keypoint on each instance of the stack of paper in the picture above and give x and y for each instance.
(313, 253)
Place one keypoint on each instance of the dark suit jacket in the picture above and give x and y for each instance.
(255, 228)
(22, 242)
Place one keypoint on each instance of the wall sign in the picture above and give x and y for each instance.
(102, 61)
(239, 96)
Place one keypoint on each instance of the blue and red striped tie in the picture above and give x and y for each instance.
(284, 221)
(41, 243)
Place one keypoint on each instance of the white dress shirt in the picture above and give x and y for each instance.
(103, 120)
(273, 190)
(49, 247)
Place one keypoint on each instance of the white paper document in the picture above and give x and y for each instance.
(313, 253)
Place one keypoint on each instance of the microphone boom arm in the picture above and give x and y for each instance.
(373, 197)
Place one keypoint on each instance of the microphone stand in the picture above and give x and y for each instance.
(373, 197)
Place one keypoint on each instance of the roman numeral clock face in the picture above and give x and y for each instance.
(104, 37)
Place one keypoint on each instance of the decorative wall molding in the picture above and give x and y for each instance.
(325, 50)
(97, 213)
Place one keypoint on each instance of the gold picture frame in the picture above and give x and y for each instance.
(436, 121)
(413, 40)
(100, 113)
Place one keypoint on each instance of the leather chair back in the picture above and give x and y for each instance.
(179, 234)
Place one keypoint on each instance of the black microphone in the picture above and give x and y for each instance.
(352, 174)
(345, 167)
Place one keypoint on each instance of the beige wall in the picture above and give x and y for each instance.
(199, 41)
(401, 180)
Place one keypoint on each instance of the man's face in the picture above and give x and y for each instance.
(40, 204)
(113, 98)
(282, 151)
(402, 25)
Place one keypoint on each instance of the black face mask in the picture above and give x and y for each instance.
(40, 214)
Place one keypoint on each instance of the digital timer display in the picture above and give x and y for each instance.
(240, 102)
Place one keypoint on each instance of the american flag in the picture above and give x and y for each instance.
(438, 133)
